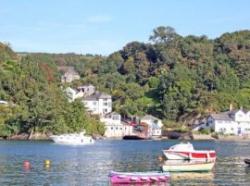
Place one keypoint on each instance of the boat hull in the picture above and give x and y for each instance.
(247, 161)
(138, 177)
(188, 167)
(134, 137)
(71, 140)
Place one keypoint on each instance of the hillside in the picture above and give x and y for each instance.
(172, 77)
(36, 102)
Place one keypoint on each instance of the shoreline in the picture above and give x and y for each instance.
(195, 137)
(220, 137)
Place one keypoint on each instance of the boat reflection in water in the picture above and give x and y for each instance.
(153, 177)
(142, 184)
(192, 176)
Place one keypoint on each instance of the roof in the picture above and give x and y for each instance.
(112, 113)
(69, 89)
(67, 70)
(86, 86)
(149, 117)
(3, 102)
(98, 95)
(228, 115)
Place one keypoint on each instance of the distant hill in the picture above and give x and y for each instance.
(173, 77)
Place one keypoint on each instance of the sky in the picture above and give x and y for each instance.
(105, 26)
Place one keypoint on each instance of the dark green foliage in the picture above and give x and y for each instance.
(173, 77)
(6, 53)
(36, 101)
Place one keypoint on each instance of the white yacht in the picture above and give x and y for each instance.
(73, 139)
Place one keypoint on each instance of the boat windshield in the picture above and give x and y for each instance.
(182, 147)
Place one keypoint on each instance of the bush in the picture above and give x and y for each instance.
(205, 131)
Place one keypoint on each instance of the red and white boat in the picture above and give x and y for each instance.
(186, 151)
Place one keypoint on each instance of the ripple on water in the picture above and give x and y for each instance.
(90, 165)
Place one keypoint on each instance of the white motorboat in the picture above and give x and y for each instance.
(186, 151)
(73, 139)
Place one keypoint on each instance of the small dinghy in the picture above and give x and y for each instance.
(247, 161)
(138, 177)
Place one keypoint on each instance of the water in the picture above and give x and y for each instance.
(90, 165)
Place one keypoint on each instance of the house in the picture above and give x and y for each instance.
(154, 125)
(86, 90)
(72, 94)
(113, 125)
(98, 103)
(128, 129)
(68, 74)
(115, 128)
(236, 122)
(202, 124)
(2, 102)
(79, 92)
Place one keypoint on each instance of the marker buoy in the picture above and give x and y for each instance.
(47, 162)
(26, 165)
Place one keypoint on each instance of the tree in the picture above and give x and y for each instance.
(163, 34)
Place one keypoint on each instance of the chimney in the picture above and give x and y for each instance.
(231, 107)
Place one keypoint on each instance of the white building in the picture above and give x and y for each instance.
(81, 91)
(235, 122)
(128, 130)
(154, 125)
(86, 90)
(68, 74)
(113, 125)
(115, 128)
(2, 102)
(72, 94)
(98, 103)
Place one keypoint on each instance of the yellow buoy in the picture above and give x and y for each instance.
(47, 162)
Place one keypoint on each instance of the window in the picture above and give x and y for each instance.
(105, 103)
(116, 117)
(94, 103)
(111, 128)
(105, 110)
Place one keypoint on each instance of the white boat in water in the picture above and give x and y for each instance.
(73, 139)
(186, 151)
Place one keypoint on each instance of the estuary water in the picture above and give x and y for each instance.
(90, 165)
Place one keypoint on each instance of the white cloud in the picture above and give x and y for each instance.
(99, 19)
